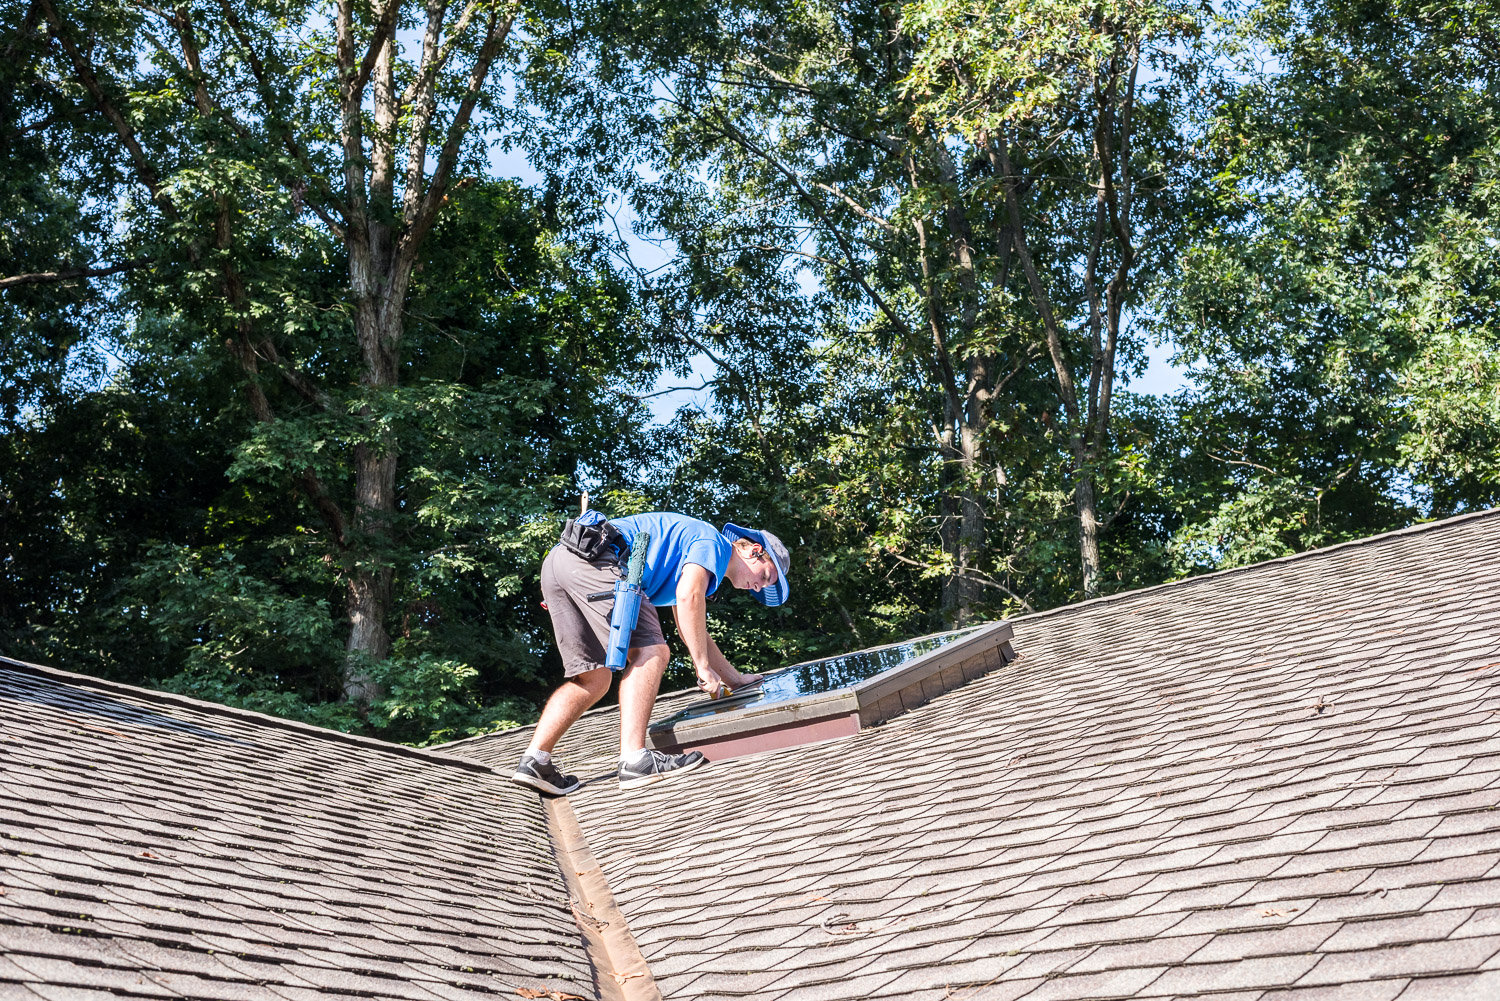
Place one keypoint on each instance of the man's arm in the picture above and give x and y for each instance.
(711, 666)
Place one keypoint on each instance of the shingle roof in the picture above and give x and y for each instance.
(1277, 782)
(160, 847)
(1274, 782)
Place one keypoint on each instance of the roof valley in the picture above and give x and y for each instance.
(620, 969)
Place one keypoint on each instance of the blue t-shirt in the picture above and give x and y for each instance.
(676, 541)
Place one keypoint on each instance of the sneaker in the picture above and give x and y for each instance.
(657, 767)
(546, 778)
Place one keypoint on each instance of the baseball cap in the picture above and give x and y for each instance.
(773, 594)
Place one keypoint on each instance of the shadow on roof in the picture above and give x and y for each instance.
(106, 707)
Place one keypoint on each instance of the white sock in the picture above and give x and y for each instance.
(636, 757)
(542, 757)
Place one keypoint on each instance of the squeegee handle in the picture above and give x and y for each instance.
(627, 610)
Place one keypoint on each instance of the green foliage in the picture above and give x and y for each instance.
(505, 398)
(232, 624)
(1451, 395)
(1313, 227)
(1338, 300)
(198, 541)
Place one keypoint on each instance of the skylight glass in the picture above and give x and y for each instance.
(817, 677)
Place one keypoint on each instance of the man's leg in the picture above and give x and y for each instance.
(638, 687)
(536, 767)
(639, 766)
(571, 700)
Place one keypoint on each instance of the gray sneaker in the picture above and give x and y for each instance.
(658, 767)
(546, 778)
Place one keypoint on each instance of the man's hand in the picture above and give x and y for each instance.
(722, 678)
(715, 686)
(716, 675)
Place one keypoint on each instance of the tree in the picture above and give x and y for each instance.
(1080, 112)
(395, 366)
(247, 126)
(974, 214)
(1337, 297)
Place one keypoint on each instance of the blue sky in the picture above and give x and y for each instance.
(1161, 376)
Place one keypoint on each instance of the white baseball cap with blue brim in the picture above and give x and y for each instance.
(777, 592)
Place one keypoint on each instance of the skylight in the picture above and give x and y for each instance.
(837, 696)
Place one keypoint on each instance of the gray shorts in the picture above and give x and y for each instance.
(582, 626)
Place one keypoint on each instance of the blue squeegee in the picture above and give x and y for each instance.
(628, 595)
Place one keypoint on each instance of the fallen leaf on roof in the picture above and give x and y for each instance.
(532, 992)
(843, 928)
(99, 729)
(620, 978)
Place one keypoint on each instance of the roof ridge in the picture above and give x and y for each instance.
(1420, 527)
(187, 701)
(1417, 529)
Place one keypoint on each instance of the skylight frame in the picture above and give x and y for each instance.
(843, 711)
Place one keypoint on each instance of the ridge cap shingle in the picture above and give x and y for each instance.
(203, 705)
(1152, 589)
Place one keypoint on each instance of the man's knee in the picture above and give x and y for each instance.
(650, 658)
(595, 682)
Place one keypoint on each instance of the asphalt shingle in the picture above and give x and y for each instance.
(1260, 783)
(157, 847)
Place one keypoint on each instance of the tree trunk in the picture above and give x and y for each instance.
(971, 531)
(955, 598)
(963, 512)
(370, 575)
(970, 543)
(369, 597)
(1088, 530)
(380, 278)
(384, 239)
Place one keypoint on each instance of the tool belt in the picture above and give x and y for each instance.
(591, 537)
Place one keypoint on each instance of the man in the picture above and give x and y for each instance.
(686, 561)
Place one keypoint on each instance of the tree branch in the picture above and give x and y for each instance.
(380, 34)
(969, 573)
(1050, 328)
(421, 95)
(731, 132)
(68, 274)
(278, 123)
(145, 170)
(425, 211)
(858, 209)
(351, 134)
(1242, 462)
(432, 65)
